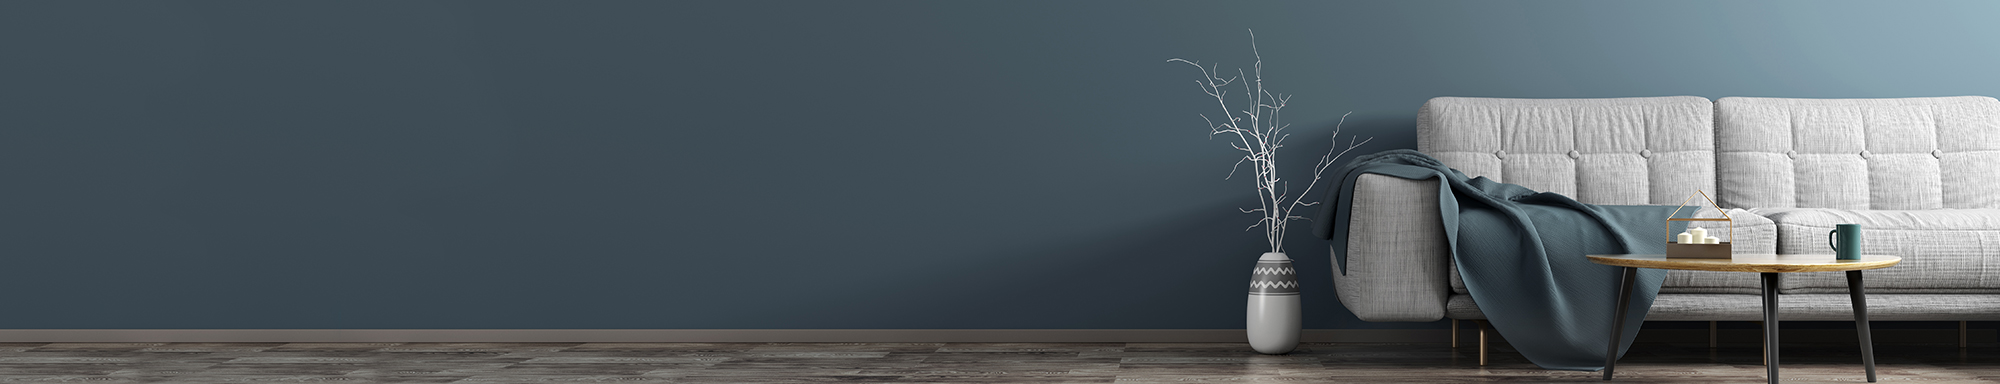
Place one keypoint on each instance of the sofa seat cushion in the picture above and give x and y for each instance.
(1754, 235)
(1944, 251)
(1805, 307)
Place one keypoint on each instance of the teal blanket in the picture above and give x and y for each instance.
(1521, 254)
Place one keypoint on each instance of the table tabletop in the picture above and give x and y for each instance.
(1752, 263)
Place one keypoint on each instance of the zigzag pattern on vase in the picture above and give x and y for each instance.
(1273, 271)
(1274, 284)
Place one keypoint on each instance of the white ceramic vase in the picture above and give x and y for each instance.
(1273, 316)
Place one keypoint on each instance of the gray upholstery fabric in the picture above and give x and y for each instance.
(1808, 307)
(1943, 250)
(1915, 153)
(1631, 151)
(1395, 251)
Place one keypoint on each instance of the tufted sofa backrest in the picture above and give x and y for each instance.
(1897, 154)
(1626, 151)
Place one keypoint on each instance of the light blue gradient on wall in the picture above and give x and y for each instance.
(809, 164)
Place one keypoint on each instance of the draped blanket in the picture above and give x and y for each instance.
(1521, 254)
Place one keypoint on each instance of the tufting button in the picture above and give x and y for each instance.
(1502, 154)
(1865, 154)
(1646, 153)
(1937, 153)
(1792, 154)
(1574, 155)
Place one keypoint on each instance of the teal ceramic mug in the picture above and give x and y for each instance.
(1846, 241)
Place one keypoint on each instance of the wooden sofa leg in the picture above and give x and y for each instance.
(1454, 333)
(1482, 341)
(1961, 335)
(1766, 342)
(1711, 335)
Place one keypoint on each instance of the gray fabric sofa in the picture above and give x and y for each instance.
(1919, 174)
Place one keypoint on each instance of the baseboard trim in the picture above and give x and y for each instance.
(696, 335)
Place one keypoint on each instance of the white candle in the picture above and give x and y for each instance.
(1699, 233)
(1686, 238)
(1712, 240)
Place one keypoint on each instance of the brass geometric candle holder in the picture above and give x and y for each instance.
(1697, 249)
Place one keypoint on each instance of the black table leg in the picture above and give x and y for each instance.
(1771, 326)
(1618, 319)
(1861, 321)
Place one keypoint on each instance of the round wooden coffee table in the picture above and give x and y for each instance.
(1768, 265)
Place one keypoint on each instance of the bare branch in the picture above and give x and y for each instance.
(1233, 168)
(1260, 131)
(1254, 226)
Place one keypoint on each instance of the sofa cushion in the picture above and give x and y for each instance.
(1912, 153)
(1754, 235)
(1944, 251)
(1641, 150)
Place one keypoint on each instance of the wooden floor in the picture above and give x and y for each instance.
(946, 363)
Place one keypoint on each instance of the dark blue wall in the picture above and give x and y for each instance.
(810, 164)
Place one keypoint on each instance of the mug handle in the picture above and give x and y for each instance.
(1829, 240)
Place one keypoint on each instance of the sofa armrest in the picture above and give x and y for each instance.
(1396, 251)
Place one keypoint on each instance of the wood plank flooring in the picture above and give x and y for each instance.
(946, 363)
